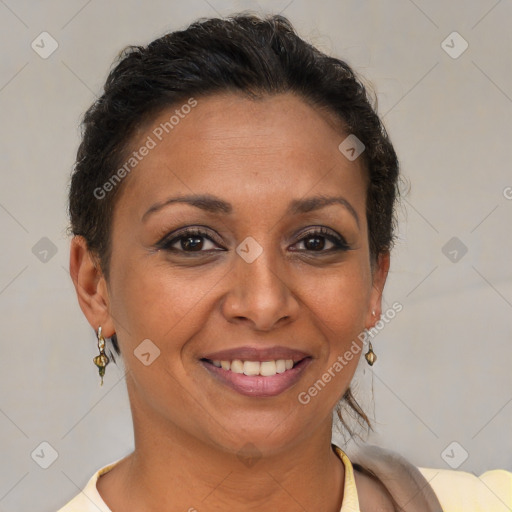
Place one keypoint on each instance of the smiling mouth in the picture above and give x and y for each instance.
(257, 378)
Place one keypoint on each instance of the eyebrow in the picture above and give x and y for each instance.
(214, 204)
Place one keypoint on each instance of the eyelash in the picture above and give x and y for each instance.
(166, 244)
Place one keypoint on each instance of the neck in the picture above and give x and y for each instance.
(169, 470)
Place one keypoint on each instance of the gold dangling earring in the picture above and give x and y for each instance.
(370, 355)
(102, 360)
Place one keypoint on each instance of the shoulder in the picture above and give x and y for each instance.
(80, 503)
(460, 490)
(435, 490)
(405, 485)
(89, 499)
(372, 495)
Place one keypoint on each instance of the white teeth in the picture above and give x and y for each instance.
(251, 368)
(237, 366)
(268, 368)
(280, 366)
(264, 368)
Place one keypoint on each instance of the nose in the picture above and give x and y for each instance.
(260, 293)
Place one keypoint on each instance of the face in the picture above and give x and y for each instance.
(250, 269)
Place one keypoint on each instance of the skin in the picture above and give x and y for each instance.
(189, 428)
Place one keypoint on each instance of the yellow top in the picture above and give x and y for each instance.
(457, 491)
(350, 500)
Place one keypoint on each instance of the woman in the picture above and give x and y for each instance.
(232, 207)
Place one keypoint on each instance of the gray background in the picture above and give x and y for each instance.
(443, 372)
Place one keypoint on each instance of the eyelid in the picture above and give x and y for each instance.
(198, 230)
(323, 230)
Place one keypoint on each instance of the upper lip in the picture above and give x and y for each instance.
(248, 353)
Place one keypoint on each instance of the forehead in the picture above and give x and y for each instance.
(277, 146)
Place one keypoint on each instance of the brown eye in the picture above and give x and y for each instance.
(191, 243)
(316, 241)
(188, 241)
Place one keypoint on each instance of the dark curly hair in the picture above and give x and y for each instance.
(243, 54)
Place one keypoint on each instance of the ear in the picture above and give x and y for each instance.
(90, 286)
(379, 276)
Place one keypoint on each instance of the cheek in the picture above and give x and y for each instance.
(149, 300)
(169, 306)
(338, 310)
(339, 314)
(151, 303)
(341, 301)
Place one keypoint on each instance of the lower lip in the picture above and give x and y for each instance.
(256, 385)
